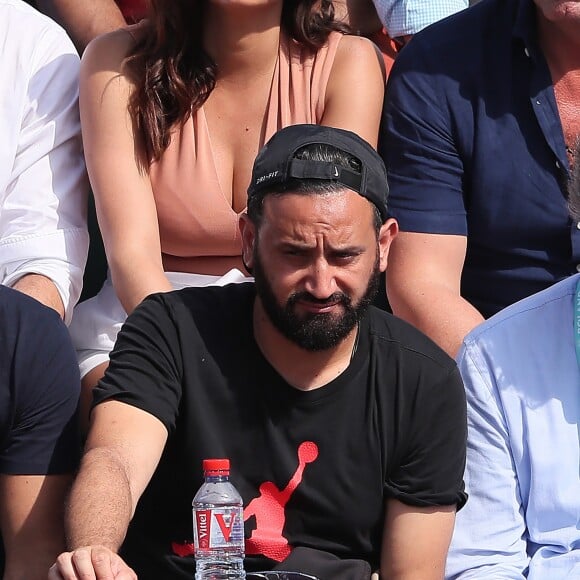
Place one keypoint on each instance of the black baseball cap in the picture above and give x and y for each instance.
(276, 163)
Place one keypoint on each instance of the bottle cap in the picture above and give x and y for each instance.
(216, 465)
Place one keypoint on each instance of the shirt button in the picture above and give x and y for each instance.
(578, 268)
(558, 166)
(578, 226)
(527, 52)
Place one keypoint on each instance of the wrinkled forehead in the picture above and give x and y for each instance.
(338, 214)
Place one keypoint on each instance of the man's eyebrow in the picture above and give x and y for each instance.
(297, 245)
(293, 244)
(347, 250)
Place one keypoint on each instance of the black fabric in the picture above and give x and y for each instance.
(325, 566)
(391, 425)
(96, 268)
(39, 389)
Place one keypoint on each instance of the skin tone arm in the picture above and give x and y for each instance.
(123, 196)
(122, 452)
(42, 289)
(31, 518)
(423, 287)
(415, 541)
(84, 19)
(357, 64)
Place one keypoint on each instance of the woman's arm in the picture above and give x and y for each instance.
(355, 90)
(123, 196)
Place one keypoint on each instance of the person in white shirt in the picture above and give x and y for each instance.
(521, 370)
(43, 184)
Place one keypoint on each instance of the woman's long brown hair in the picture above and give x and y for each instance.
(172, 73)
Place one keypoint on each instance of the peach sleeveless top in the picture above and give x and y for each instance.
(197, 225)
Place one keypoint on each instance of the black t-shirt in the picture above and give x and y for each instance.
(39, 389)
(314, 468)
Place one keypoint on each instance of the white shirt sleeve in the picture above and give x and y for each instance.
(489, 537)
(43, 184)
(402, 17)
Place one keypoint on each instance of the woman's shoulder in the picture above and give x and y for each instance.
(358, 58)
(111, 49)
(341, 49)
(356, 49)
(355, 90)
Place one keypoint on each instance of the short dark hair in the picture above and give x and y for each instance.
(313, 152)
(574, 185)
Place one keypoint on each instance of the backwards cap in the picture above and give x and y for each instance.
(276, 163)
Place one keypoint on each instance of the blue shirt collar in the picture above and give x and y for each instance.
(526, 28)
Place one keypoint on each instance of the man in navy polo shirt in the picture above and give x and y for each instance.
(480, 112)
(39, 444)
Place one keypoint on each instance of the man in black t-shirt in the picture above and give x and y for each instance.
(39, 440)
(345, 427)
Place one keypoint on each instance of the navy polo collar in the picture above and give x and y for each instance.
(526, 27)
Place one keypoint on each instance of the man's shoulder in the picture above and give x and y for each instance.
(19, 13)
(35, 342)
(30, 328)
(210, 304)
(534, 321)
(389, 332)
(17, 308)
(462, 41)
(31, 36)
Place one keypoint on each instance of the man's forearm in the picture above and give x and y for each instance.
(100, 505)
(84, 19)
(42, 289)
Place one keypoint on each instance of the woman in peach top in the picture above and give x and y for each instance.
(174, 110)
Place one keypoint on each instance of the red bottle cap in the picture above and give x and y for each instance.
(216, 466)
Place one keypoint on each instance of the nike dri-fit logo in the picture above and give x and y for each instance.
(335, 171)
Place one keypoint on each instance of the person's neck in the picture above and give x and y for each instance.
(560, 44)
(304, 370)
(241, 39)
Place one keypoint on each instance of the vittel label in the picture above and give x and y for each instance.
(202, 528)
(219, 527)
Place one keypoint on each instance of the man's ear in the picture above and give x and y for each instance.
(248, 233)
(387, 234)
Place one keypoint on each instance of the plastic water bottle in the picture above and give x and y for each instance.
(218, 525)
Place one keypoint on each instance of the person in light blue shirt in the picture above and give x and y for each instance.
(403, 18)
(521, 370)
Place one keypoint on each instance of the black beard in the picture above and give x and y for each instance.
(314, 332)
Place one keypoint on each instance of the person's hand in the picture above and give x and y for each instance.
(90, 563)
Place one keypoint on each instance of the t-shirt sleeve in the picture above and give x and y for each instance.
(145, 368)
(417, 142)
(431, 462)
(43, 438)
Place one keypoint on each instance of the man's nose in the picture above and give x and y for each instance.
(320, 280)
